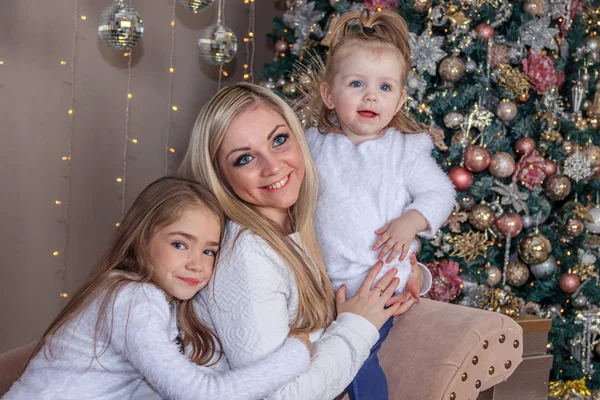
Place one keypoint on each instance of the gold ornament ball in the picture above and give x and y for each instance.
(506, 111)
(574, 227)
(477, 158)
(482, 217)
(592, 153)
(502, 165)
(569, 283)
(534, 249)
(517, 273)
(523, 98)
(509, 223)
(557, 187)
(452, 69)
(524, 145)
(421, 6)
(494, 276)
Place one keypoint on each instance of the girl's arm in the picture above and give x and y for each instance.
(249, 310)
(432, 191)
(140, 332)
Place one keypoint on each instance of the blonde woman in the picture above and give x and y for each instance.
(248, 148)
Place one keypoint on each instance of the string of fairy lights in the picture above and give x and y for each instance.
(122, 34)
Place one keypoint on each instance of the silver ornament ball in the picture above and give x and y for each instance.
(544, 269)
(195, 6)
(580, 301)
(494, 276)
(120, 26)
(268, 84)
(218, 44)
(593, 227)
(527, 221)
(471, 66)
(593, 43)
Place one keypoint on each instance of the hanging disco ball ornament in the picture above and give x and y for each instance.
(120, 26)
(217, 44)
(195, 6)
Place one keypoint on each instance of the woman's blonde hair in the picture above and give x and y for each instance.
(378, 31)
(127, 260)
(315, 294)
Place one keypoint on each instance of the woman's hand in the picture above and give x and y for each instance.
(413, 287)
(370, 303)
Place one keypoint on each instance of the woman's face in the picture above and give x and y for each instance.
(262, 162)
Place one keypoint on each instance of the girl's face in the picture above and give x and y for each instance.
(183, 253)
(366, 92)
(262, 162)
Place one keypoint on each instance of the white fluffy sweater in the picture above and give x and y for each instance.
(362, 188)
(253, 299)
(142, 346)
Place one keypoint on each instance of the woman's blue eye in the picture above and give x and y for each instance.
(356, 84)
(243, 160)
(211, 253)
(179, 246)
(280, 139)
(385, 87)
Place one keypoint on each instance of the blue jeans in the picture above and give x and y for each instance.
(370, 383)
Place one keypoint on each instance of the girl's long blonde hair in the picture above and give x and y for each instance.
(379, 31)
(316, 298)
(127, 260)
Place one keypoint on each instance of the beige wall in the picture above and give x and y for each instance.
(35, 94)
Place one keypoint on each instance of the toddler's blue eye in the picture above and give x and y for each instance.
(210, 253)
(385, 87)
(179, 246)
(356, 84)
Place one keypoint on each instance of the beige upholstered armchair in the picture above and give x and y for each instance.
(436, 351)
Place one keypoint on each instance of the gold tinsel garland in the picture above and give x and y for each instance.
(513, 80)
(584, 271)
(569, 390)
(500, 301)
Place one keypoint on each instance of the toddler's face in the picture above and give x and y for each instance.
(183, 253)
(366, 92)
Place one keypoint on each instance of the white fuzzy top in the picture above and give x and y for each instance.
(362, 188)
(256, 299)
(142, 346)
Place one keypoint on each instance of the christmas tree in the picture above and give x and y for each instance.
(511, 94)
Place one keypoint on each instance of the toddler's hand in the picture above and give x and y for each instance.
(304, 338)
(397, 235)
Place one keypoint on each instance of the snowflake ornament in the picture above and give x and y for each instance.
(426, 51)
(577, 167)
(537, 34)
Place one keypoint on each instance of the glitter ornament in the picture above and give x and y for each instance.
(461, 178)
(120, 26)
(506, 111)
(502, 165)
(574, 227)
(569, 283)
(485, 31)
(426, 51)
(577, 167)
(195, 6)
(477, 158)
(533, 7)
(535, 249)
(466, 201)
(538, 35)
(499, 55)
(550, 167)
(421, 6)
(482, 217)
(517, 273)
(557, 187)
(218, 44)
(452, 69)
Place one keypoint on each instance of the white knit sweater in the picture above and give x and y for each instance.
(142, 345)
(362, 188)
(253, 299)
